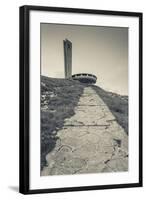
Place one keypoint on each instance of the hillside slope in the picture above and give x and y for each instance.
(59, 97)
(58, 100)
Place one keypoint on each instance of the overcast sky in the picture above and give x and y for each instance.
(102, 51)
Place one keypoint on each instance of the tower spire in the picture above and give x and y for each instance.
(67, 58)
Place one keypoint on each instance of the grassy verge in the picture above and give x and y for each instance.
(58, 100)
(117, 104)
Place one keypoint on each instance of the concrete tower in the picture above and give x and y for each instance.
(67, 58)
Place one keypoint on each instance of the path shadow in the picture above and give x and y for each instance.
(14, 188)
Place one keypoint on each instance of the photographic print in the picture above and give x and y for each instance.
(80, 99)
(84, 99)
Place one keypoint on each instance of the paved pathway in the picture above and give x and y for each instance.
(91, 141)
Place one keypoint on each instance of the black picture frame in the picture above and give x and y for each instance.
(24, 123)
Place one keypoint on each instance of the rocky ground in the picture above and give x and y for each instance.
(83, 128)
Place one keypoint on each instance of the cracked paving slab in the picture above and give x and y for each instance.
(91, 141)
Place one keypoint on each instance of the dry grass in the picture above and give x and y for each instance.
(58, 100)
(117, 104)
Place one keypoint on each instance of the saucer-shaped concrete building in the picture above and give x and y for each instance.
(85, 78)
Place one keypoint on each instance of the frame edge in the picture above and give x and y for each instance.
(23, 100)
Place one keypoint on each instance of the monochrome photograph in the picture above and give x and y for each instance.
(80, 99)
(84, 99)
